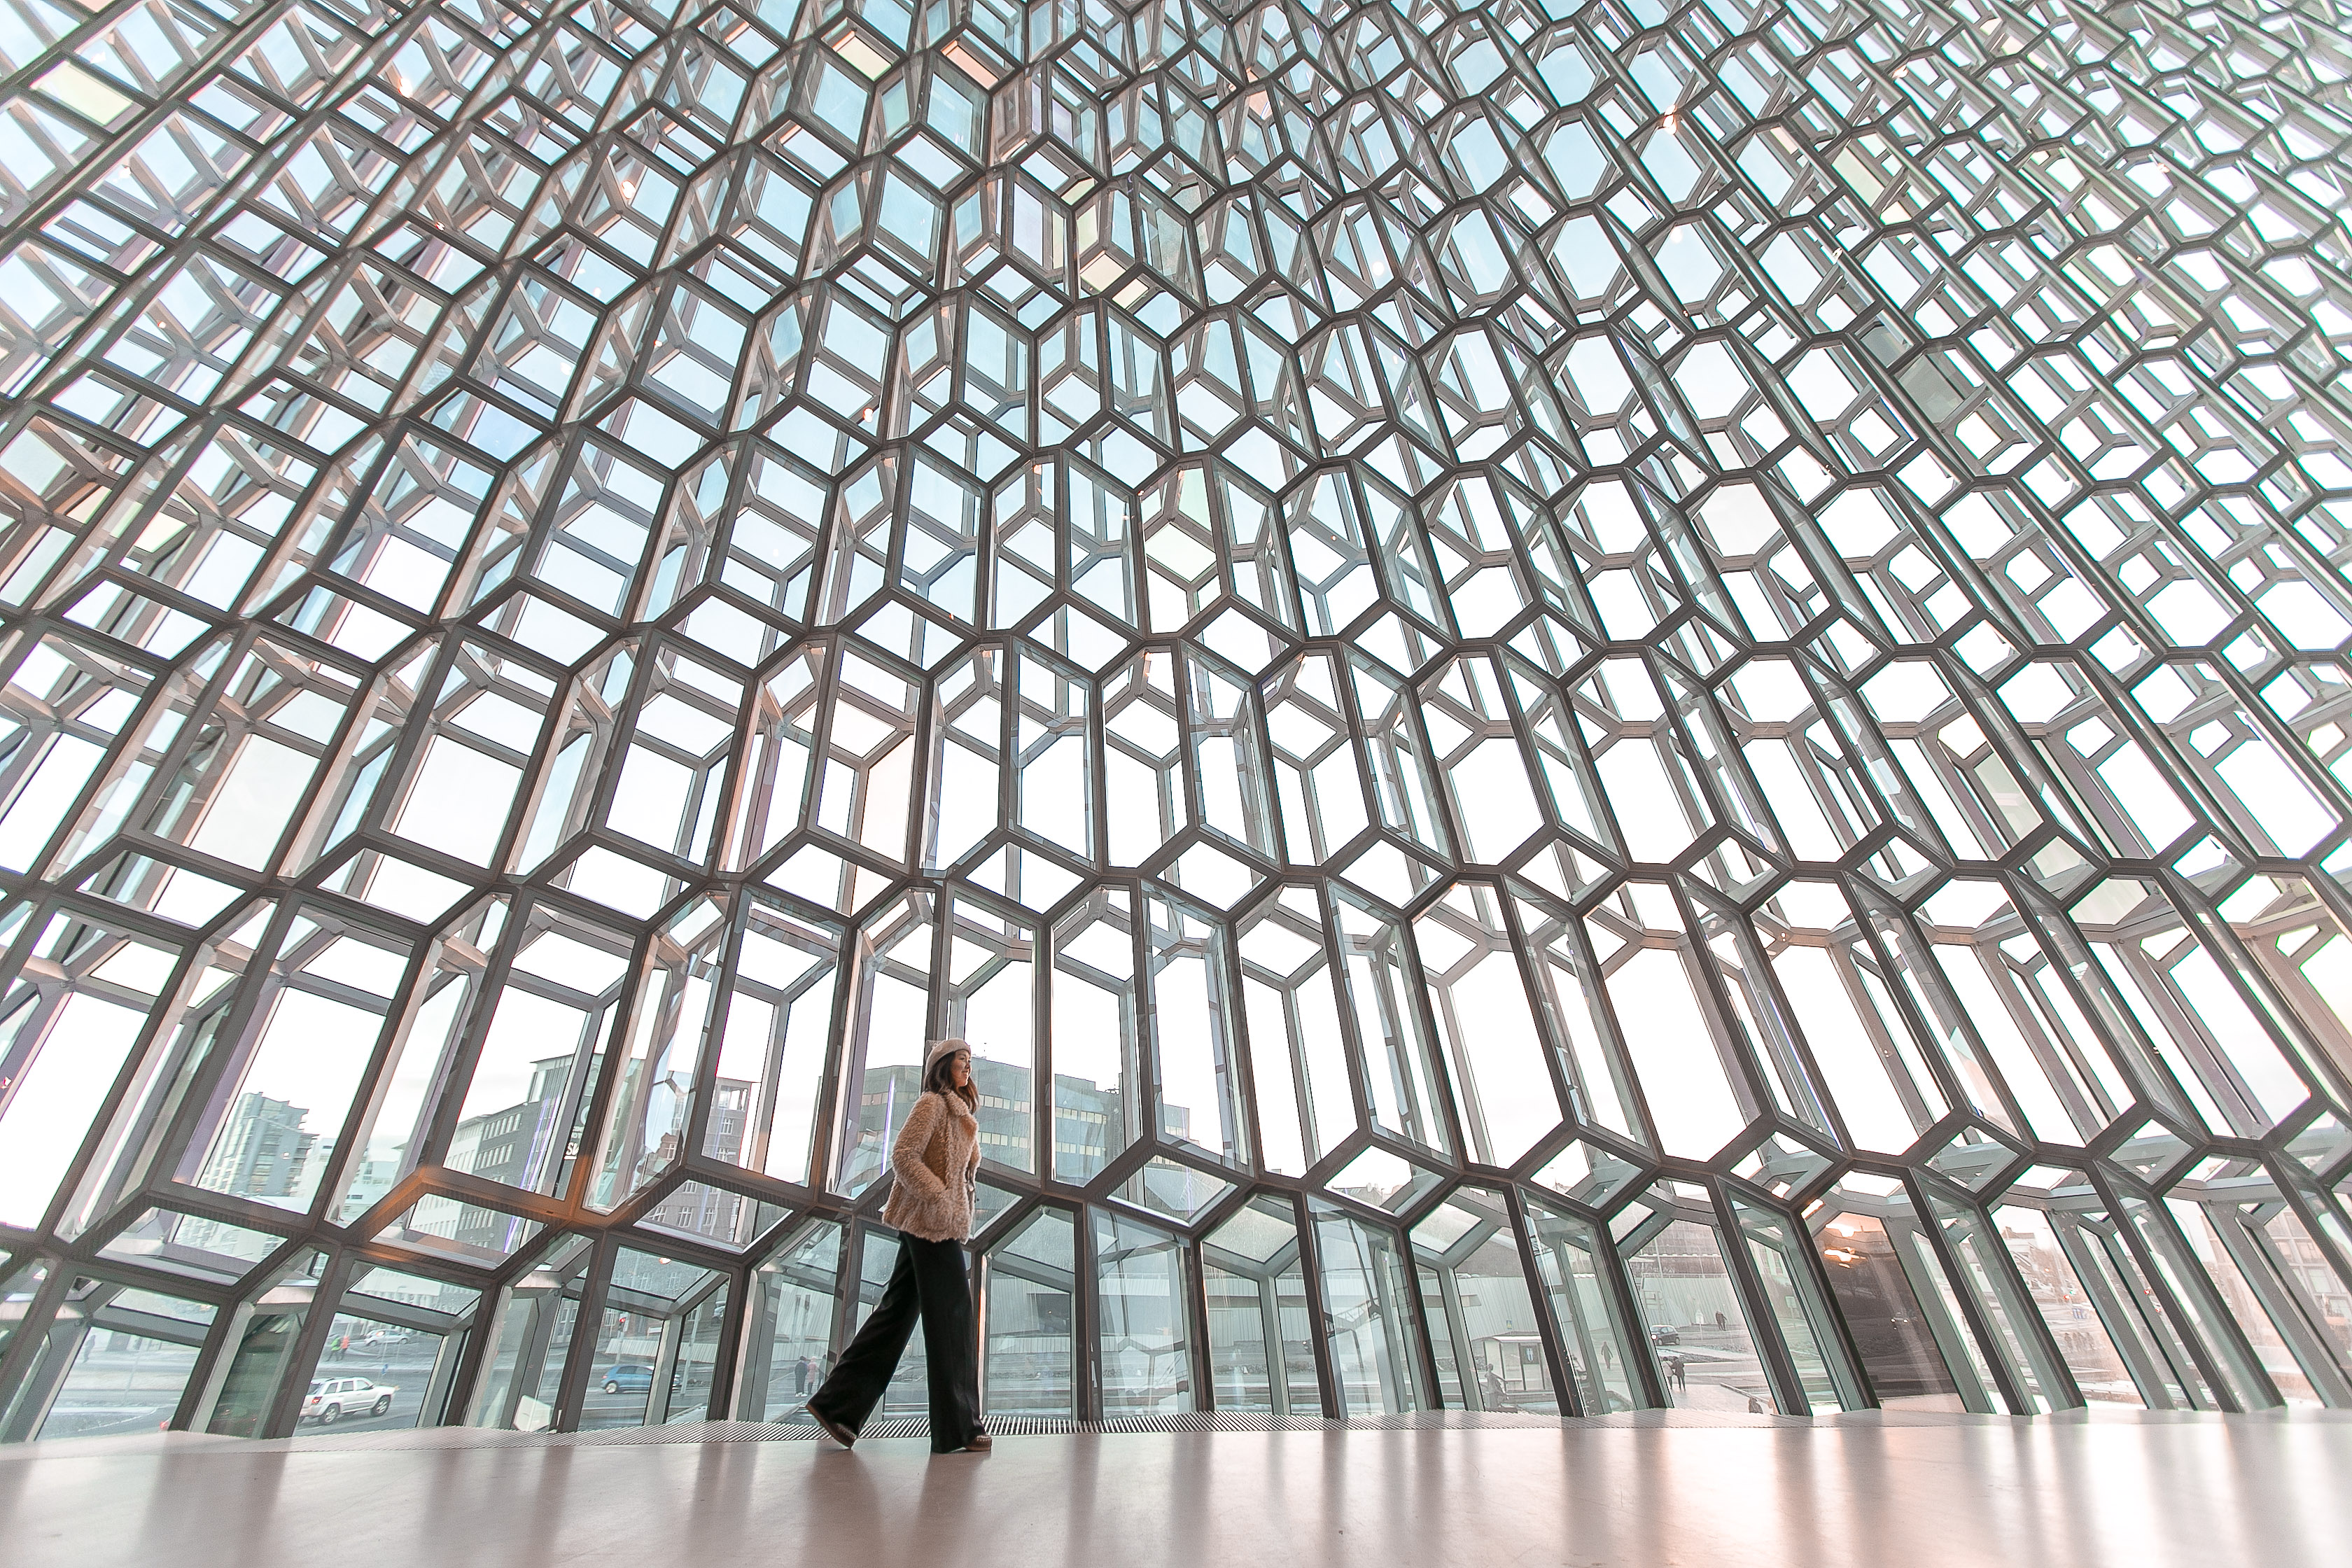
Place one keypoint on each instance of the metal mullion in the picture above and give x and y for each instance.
(283, 1418)
(2141, 1359)
(434, 1404)
(2314, 1210)
(162, 1026)
(1086, 1319)
(2036, 1344)
(2278, 1295)
(1616, 1285)
(1352, 1049)
(1416, 1314)
(416, 730)
(2258, 717)
(2063, 811)
(2255, 983)
(768, 1089)
(1350, 726)
(481, 1338)
(1841, 1355)
(1268, 911)
(1557, 1361)
(1318, 1316)
(748, 775)
(84, 909)
(546, 1309)
(747, 1351)
(718, 1008)
(1200, 1354)
(1701, 712)
(1873, 915)
(258, 983)
(1973, 1314)
(1443, 1114)
(1780, 1375)
(2171, 1280)
(2117, 1316)
(1712, 991)
(1936, 987)
(1612, 1032)
(941, 896)
(2201, 1056)
(690, 1249)
(1044, 955)
(1445, 1025)
(26, 1345)
(851, 1283)
(595, 1279)
(1191, 791)
(1221, 964)
(203, 704)
(593, 794)
(2182, 772)
(1277, 1354)
(399, 1017)
(216, 1358)
(1457, 1337)
(736, 1281)
(1528, 962)
(354, 1303)
(850, 964)
(2037, 1347)
(665, 1368)
(595, 1084)
(2130, 1275)
(2069, 1080)
(2076, 972)
(1142, 1079)
(2284, 973)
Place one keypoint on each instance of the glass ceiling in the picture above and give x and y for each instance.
(1589, 706)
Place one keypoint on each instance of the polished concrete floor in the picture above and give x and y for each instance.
(2065, 1493)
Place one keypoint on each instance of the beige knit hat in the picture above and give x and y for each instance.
(941, 1050)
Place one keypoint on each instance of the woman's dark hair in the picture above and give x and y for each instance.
(940, 1079)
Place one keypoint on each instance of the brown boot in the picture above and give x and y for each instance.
(834, 1429)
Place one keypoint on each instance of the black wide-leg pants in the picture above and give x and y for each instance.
(929, 1279)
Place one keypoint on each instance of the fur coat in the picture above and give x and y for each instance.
(935, 1162)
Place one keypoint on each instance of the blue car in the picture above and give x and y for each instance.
(629, 1375)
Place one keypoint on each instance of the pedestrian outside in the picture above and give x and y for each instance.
(935, 1168)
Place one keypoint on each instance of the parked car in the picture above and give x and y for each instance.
(330, 1399)
(631, 1376)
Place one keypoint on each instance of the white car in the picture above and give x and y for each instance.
(330, 1399)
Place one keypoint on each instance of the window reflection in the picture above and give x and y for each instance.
(1260, 1353)
(1689, 1305)
(1029, 1326)
(1143, 1285)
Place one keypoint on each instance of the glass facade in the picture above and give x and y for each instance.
(1590, 704)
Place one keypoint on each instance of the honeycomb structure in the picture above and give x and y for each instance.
(1588, 706)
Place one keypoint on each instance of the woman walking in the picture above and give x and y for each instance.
(936, 1163)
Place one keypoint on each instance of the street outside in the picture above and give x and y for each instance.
(404, 1365)
(119, 1384)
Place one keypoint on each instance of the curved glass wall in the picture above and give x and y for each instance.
(1591, 706)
